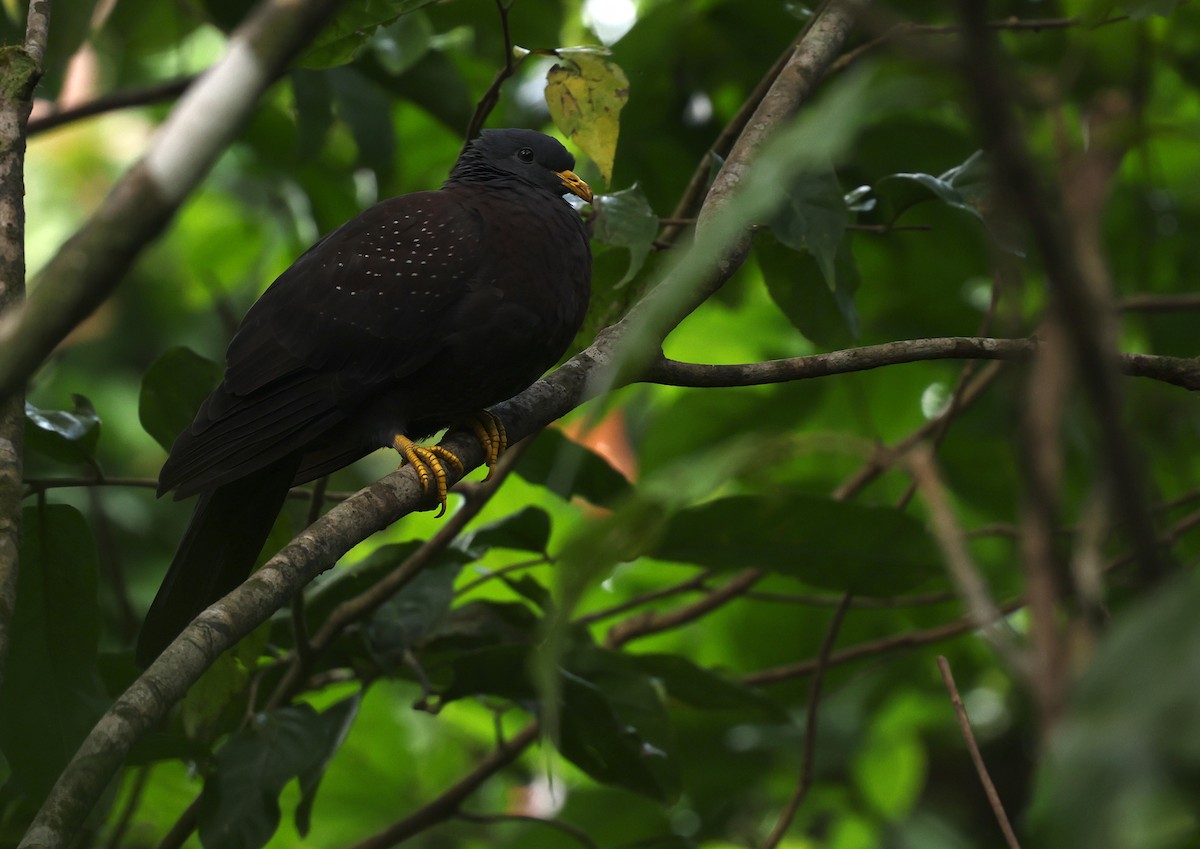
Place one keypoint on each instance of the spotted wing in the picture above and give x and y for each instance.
(361, 310)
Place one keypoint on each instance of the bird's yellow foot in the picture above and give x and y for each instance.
(489, 430)
(430, 462)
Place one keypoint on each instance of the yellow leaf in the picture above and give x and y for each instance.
(585, 98)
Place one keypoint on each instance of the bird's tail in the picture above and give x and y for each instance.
(218, 550)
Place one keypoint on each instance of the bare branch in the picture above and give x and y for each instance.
(1178, 371)
(651, 622)
(969, 736)
(810, 726)
(446, 805)
(110, 103)
(971, 586)
(873, 648)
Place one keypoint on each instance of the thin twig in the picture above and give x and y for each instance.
(959, 563)
(969, 736)
(147, 96)
(492, 96)
(447, 804)
(873, 648)
(810, 726)
(696, 582)
(652, 622)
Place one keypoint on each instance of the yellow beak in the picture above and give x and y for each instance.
(575, 185)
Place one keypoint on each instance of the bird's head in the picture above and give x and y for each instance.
(531, 157)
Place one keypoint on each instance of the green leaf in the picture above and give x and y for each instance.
(700, 688)
(586, 97)
(626, 220)
(614, 725)
(52, 692)
(364, 107)
(173, 389)
(796, 286)
(890, 772)
(314, 110)
(568, 469)
(500, 670)
(344, 584)
(485, 623)
(335, 722)
(814, 218)
(414, 611)
(69, 437)
(527, 587)
(239, 806)
(871, 551)
(402, 43)
(350, 30)
(526, 530)
(967, 186)
(1141, 9)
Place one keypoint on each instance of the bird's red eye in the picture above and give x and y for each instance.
(525, 154)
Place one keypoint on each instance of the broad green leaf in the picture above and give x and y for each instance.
(568, 469)
(363, 106)
(614, 726)
(890, 771)
(625, 219)
(414, 611)
(585, 98)
(485, 623)
(350, 30)
(173, 389)
(498, 670)
(66, 436)
(239, 806)
(526, 530)
(700, 688)
(314, 109)
(335, 722)
(797, 287)
(528, 588)
(402, 43)
(814, 218)
(872, 551)
(1142, 9)
(344, 584)
(967, 186)
(52, 691)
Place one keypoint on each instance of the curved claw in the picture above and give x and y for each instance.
(430, 462)
(489, 430)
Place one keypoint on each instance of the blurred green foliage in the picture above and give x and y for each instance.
(690, 735)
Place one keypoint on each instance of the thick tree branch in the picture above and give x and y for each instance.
(95, 259)
(20, 70)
